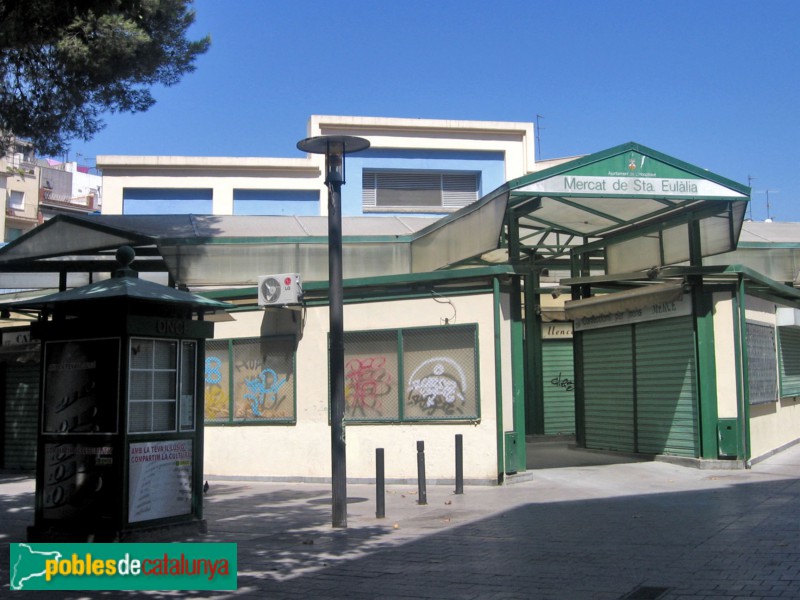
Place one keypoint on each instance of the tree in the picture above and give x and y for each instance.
(64, 63)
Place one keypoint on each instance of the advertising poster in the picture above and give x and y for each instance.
(160, 480)
(79, 482)
(81, 386)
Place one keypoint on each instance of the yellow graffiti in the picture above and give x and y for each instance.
(216, 403)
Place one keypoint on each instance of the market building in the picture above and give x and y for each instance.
(579, 297)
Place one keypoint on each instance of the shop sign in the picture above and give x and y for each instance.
(619, 314)
(556, 331)
(631, 174)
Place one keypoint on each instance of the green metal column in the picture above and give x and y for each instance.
(534, 400)
(518, 370)
(706, 371)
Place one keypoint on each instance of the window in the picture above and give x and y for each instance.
(418, 191)
(16, 200)
(762, 363)
(275, 202)
(161, 371)
(789, 355)
(408, 375)
(166, 201)
(250, 380)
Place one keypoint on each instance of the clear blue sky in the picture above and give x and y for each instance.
(713, 82)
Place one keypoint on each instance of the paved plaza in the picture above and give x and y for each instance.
(631, 530)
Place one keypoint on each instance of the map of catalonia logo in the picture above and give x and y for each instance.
(184, 566)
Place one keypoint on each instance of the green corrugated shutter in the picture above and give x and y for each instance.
(22, 416)
(666, 388)
(789, 339)
(608, 388)
(559, 384)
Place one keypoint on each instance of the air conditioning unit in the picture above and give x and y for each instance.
(279, 290)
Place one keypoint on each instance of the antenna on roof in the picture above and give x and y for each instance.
(750, 180)
(538, 138)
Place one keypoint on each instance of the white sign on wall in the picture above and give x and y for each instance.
(617, 314)
(160, 480)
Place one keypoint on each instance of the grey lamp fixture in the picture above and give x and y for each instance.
(334, 147)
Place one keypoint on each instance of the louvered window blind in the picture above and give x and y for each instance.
(418, 191)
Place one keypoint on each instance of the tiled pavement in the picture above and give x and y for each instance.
(638, 530)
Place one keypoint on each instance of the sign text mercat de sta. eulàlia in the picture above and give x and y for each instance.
(630, 185)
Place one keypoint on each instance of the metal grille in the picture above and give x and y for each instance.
(439, 373)
(250, 380)
(762, 363)
(217, 381)
(411, 374)
(263, 379)
(370, 376)
(418, 189)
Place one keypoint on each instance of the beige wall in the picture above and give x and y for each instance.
(303, 450)
(725, 356)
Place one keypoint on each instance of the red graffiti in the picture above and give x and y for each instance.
(366, 383)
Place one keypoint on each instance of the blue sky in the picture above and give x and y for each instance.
(715, 83)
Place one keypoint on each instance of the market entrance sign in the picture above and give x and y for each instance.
(631, 174)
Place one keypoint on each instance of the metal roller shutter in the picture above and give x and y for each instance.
(21, 416)
(666, 388)
(559, 385)
(608, 389)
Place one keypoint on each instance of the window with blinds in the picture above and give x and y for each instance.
(418, 191)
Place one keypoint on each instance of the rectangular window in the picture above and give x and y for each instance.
(411, 375)
(167, 201)
(16, 199)
(152, 385)
(276, 202)
(418, 191)
(762, 363)
(789, 344)
(250, 380)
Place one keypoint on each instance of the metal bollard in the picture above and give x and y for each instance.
(423, 495)
(459, 464)
(380, 488)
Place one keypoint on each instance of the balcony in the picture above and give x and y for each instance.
(60, 202)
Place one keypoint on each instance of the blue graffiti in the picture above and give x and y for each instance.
(262, 391)
(213, 374)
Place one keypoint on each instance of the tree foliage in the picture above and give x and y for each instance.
(64, 63)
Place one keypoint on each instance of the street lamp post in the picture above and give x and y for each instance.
(334, 147)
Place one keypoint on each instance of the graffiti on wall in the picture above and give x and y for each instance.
(264, 392)
(367, 385)
(261, 391)
(438, 386)
(216, 403)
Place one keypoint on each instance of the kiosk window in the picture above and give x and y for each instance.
(161, 373)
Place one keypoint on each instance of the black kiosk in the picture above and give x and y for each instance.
(120, 444)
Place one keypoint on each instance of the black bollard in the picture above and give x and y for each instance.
(423, 495)
(459, 464)
(380, 488)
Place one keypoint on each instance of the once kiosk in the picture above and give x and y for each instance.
(120, 444)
